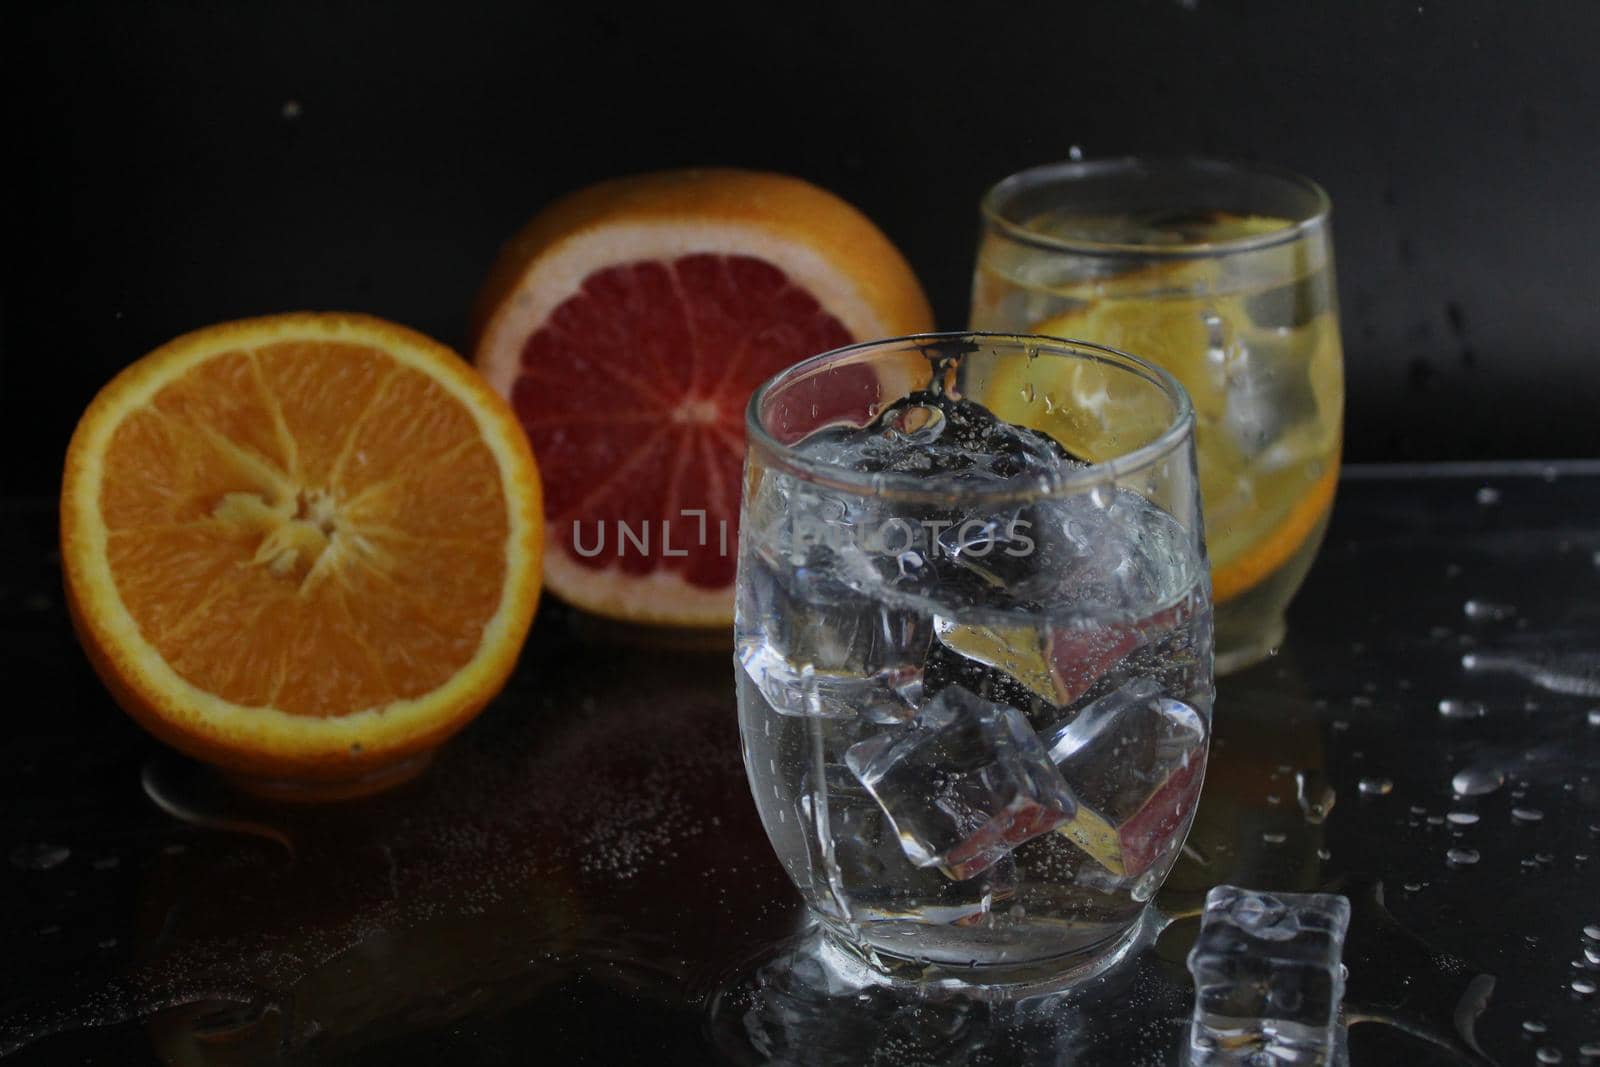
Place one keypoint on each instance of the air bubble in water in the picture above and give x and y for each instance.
(1476, 781)
(1462, 857)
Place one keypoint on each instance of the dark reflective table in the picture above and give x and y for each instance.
(581, 878)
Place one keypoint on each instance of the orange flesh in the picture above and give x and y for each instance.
(306, 502)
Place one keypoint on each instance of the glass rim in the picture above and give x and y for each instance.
(989, 206)
(902, 485)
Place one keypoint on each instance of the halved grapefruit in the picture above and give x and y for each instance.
(628, 325)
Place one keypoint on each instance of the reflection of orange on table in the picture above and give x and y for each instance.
(305, 548)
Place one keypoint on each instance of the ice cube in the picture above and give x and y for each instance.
(816, 646)
(872, 873)
(1135, 760)
(1267, 977)
(964, 782)
(952, 439)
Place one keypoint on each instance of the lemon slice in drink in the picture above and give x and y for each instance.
(1266, 486)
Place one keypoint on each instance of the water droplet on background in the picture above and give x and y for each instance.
(1534, 1026)
(1488, 496)
(1526, 814)
(1592, 932)
(1375, 787)
(1462, 818)
(1547, 1055)
(1584, 987)
(1272, 837)
(39, 857)
(1594, 716)
(1462, 857)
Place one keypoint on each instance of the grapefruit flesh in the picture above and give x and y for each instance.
(629, 326)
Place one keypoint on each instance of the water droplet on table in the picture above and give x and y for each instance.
(1462, 709)
(1375, 787)
(1462, 818)
(39, 857)
(1462, 857)
(1487, 611)
(1314, 795)
(1476, 781)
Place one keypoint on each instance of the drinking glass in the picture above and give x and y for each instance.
(1223, 274)
(974, 684)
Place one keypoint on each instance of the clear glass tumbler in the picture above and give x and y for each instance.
(974, 651)
(1223, 274)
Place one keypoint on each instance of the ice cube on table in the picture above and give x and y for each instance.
(1267, 977)
(963, 783)
(875, 880)
(824, 649)
(1135, 760)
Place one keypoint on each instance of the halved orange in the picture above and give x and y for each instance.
(305, 547)
(629, 323)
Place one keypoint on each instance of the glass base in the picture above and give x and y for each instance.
(868, 962)
(1235, 652)
(812, 1000)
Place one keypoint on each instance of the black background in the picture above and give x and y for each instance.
(158, 178)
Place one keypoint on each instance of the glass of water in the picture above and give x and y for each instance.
(974, 653)
(1223, 274)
